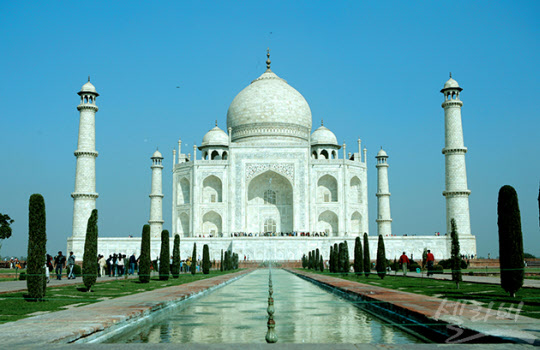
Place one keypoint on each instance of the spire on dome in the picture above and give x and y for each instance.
(216, 122)
(268, 62)
(450, 74)
(322, 122)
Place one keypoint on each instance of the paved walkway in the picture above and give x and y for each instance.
(438, 319)
(91, 320)
(530, 283)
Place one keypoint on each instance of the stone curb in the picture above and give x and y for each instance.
(422, 314)
(97, 319)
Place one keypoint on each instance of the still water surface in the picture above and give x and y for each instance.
(237, 313)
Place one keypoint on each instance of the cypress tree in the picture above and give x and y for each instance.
(304, 261)
(346, 265)
(221, 263)
(358, 257)
(164, 257)
(381, 258)
(90, 265)
(144, 260)
(341, 257)
(206, 260)
(510, 240)
(331, 260)
(310, 260)
(317, 258)
(176, 257)
(37, 240)
(455, 256)
(321, 264)
(337, 257)
(367, 259)
(194, 259)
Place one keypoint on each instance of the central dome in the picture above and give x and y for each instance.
(269, 109)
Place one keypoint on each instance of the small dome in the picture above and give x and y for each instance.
(215, 137)
(88, 87)
(451, 84)
(382, 153)
(323, 136)
(157, 154)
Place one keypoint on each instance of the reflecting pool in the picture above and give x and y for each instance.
(237, 313)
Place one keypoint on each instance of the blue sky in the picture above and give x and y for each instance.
(371, 69)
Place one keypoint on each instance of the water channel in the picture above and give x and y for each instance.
(237, 313)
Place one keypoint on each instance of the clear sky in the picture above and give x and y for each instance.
(371, 69)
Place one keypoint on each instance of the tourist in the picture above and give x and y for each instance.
(404, 260)
(71, 265)
(59, 264)
(132, 262)
(120, 265)
(102, 262)
(430, 262)
(47, 273)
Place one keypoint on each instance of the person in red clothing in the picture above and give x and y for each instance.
(430, 261)
(404, 260)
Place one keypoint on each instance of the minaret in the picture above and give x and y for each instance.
(456, 192)
(156, 197)
(384, 221)
(84, 196)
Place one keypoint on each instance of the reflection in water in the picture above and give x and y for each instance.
(237, 313)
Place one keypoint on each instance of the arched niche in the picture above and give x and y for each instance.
(355, 193)
(215, 155)
(212, 190)
(324, 154)
(327, 190)
(182, 227)
(356, 222)
(278, 192)
(212, 224)
(183, 191)
(328, 222)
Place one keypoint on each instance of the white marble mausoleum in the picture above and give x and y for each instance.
(268, 185)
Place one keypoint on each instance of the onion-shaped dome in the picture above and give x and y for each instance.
(323, 136)
(88, 87)
(451, 83)
(157, 154)
(269, 108)
(382, 154)
(215, 137)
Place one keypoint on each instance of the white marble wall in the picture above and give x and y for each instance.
(281, 248)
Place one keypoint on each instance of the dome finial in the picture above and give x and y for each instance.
(88, 78)
(216, 122)
(322, 122)
(268, 62)
(450, 75)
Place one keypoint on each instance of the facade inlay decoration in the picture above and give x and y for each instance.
(287, 170)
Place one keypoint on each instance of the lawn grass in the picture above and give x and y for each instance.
(14, 306)
(487, 295)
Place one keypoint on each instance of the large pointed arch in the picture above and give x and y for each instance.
(212, 189)
(356, 223)
(329, 223)
(183, 191)
(182, 225)
(327, 189)
(212, 224)
(270, 196)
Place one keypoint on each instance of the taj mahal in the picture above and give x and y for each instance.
(269, 186)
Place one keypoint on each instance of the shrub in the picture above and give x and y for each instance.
(367, 259)
(413, 265)
(206, 260)
(77, 270)
(90, 252)
(381, 258)
(510, 240)
(456, 259)
(345, 265)
(22, 276)
(144, 262)
(175, 271)
(164, 257)
(437, 269)
(358, 257)
(194, 259)
(37, 239)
